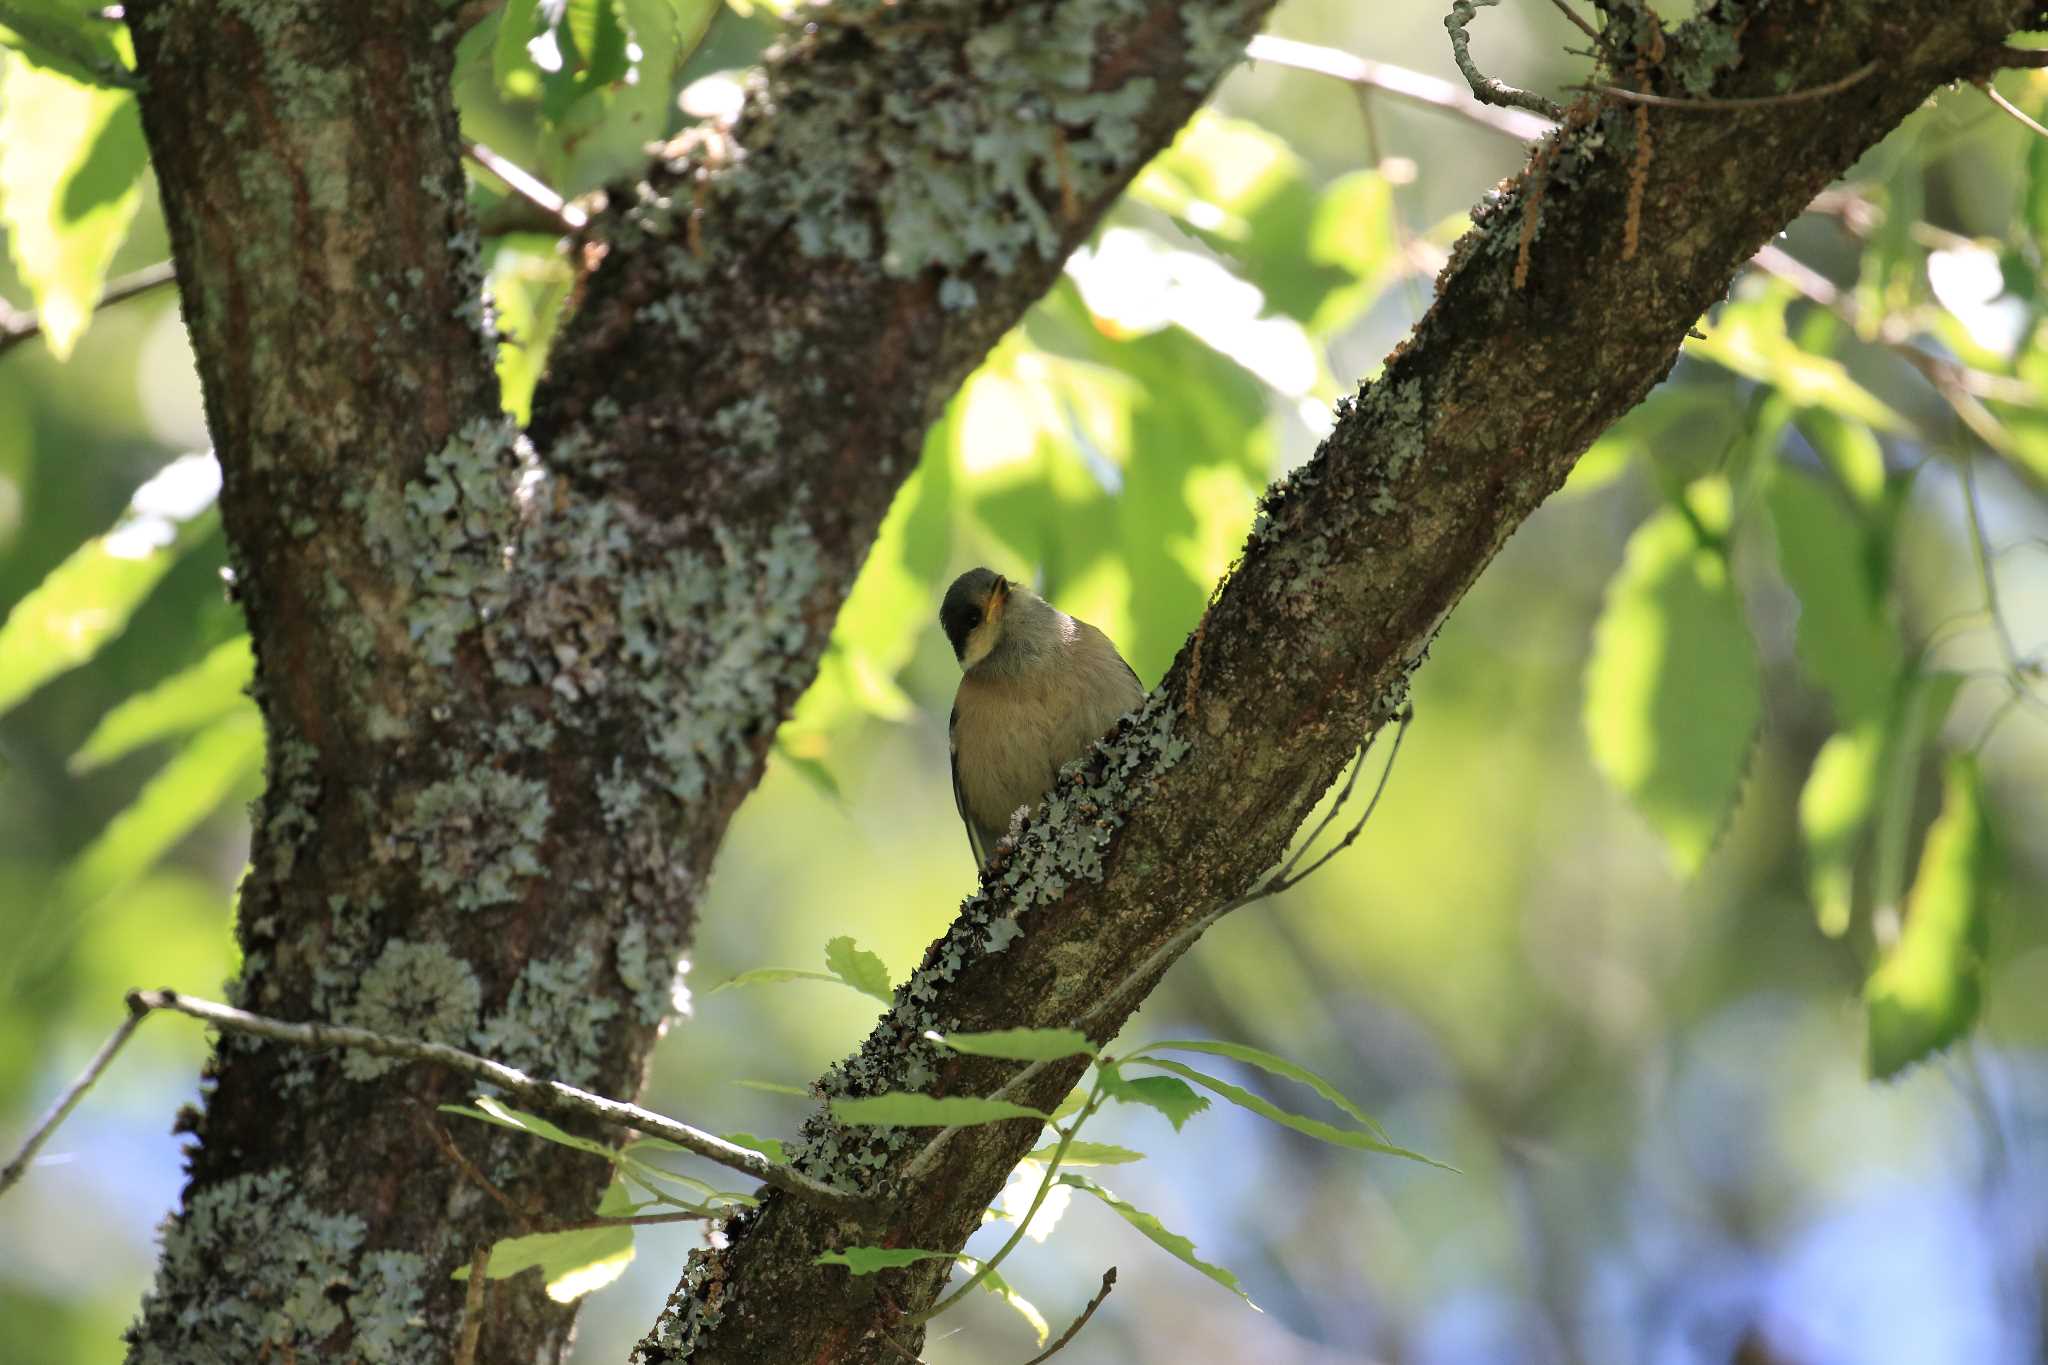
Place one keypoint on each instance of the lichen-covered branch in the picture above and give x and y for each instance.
(515, 684)
(1353, 564)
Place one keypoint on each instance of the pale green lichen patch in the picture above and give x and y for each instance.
(254, 1272)
(419, 991)
(554, 1021)
(478, 835)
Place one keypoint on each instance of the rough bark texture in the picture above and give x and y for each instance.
(1355, 561)
(515, 689)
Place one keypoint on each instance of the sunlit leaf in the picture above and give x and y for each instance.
(1354, 231)
(1835, 807)
(528, 289)
(1748, 337)
(65, 36)
(774, 1088)
(1175, 1099)
(1927, 989)
(1020, 1044)
(83, 603)
(488, 1109)
(901, 1110)
(1851, 452)
(771, 1148)
(870, 1260)
(224, 758)
(994, 1283)
(770, 976)
(1923, 707)
(1836, 562)
(1276, 1065)
(1181, 1248)
(858, 968)
(573, 1263)
(71, 159)
(1672, 686)
(1266, 1109)
(1081, 1152)
(178, 705)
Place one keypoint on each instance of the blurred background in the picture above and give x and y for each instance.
(1605, 946)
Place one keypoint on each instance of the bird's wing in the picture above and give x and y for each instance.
(959, 796)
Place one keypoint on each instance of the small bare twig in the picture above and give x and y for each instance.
(1834, 87)
(545, 1093)
(2011, 110)
(529, 187)
(473, 1306)
(1398, 81)
(1485, 88)
(462, 1163)
(68, 1101)
(18, 325)
(1073, 1330)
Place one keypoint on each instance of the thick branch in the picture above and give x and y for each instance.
(1354, 563)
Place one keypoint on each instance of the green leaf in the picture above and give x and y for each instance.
(490, 1110)
(903, 1110)
(1170, 1097)
(1837, 565)
(1748, 337)
(71, 159)
(1082, 1152)
(181, 703)
(1266, 1109)
(994, 1283)
(1927, 989)
(81, 605)
(870, 1260)
(771, 1148)
(225, 757)
(1354, 231)
(769, 976)
(775, 1088)
(1923, 707)
(528, 289)
(1019, 1044)
(1851, 452)
(1835, 807)
(1181, 1247)
(573, 1263)
(66, 36)
(858, 968)
(1278, 1066)
(1673, 694)
(519, 24)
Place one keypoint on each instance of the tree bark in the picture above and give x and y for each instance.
(516, 687)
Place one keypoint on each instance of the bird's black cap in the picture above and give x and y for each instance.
(965, 601)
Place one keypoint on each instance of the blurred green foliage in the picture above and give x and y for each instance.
(1727, 781)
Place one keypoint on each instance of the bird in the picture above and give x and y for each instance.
(1037, 687)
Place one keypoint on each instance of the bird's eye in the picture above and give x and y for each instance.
(973, 619)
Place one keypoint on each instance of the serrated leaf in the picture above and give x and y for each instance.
(858, 968)
(179, 704)
(1081, 1152)
(488, 1109)
(1673, 695)
(224, 757)
(573, 1263)
(71, 159)
(1276, 1065)
(1927, 989)
(1836, 564)
(1180, 1247)
(904, 1110)
(994, 1283)
(1300, 1123)
(871, 1260)
(1175, 1099)
(1019, 1044)
(1835, 807)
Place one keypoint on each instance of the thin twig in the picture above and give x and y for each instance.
(1398, 81)
(552, 1094)
(68, 1101)
(528, 187)
(18, 325)
(637, 1220)
(1485, 88)
(1834, 87)
(462, 1163)
(1579, 22)
(1108, 1283)
(473, 1306)
(2013, 111)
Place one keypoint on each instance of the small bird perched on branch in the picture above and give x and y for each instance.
(1039, 687)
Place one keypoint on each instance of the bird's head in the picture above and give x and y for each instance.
(972, 614)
